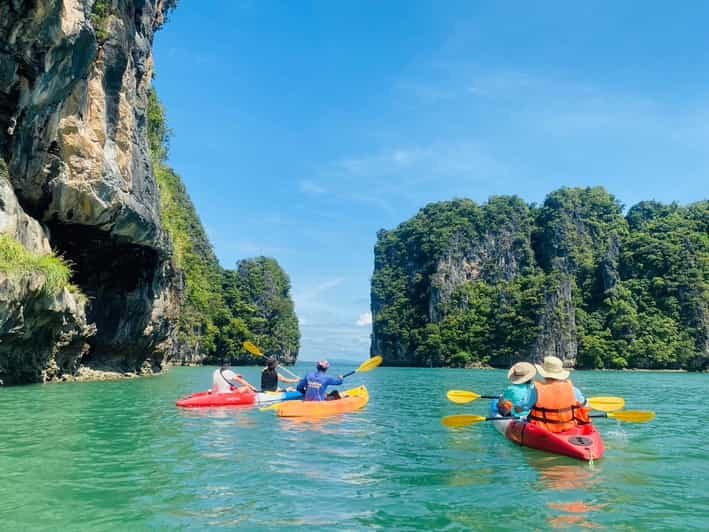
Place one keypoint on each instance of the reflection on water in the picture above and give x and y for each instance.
(318, 424)
(558, 474)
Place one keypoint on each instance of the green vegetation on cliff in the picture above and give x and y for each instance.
(221, 308)
(257, 298)
(16, 260)
(465, 284)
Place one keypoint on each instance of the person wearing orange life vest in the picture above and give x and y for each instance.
(558, 404)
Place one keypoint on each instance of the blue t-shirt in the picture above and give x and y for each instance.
(315, 385)
(519, 396)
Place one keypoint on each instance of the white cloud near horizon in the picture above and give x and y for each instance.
(365, 319)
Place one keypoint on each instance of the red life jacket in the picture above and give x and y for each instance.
(556, 408)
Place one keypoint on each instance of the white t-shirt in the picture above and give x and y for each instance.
(219, 383)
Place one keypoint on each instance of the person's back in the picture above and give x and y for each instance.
(269, 380)
(517, 395)
(558, 405)
(315, 384)
(225, 380)
(221, 380)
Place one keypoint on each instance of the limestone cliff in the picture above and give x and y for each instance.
(463, 284)
(75, 77)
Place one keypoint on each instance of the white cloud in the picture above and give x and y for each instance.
(309, 187)
(365, 319)
(404, 167)
(315, 299)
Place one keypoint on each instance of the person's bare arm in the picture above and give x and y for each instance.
(288, 379)
(241, 380)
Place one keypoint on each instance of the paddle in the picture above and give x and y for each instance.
(629, 416)
(367, 365)
(251, 348)
(606, 404)
(602, 404)
(462, 397)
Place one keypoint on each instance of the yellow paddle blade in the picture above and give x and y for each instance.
(631, 416)
(270, 407)
(606, 404)
(370, 364)
(461, 421)
(355, 392)
(251, 348)
(462, 396)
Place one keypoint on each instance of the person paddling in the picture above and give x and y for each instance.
(314, 385)
(225, 380)
(270, 377)
(556, 404)
(516, 397)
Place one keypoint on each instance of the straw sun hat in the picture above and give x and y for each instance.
(553, 368)
(521, 372)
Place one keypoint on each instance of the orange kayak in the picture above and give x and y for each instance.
(351, 400)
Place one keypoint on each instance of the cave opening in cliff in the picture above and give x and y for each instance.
(117, 277)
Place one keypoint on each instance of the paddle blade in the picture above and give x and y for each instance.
(454, 422)
(251, 348)
(631, 416)
(370, 364)
(606, 404)
(270, 407)
(356, 392)
(461, 396)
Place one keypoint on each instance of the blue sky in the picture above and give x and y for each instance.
(301, 128)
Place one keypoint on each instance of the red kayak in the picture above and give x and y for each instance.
(235, 398)
(209, 399)
(583, 442)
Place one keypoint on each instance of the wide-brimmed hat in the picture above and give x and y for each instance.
(521, 372)
(553, 368)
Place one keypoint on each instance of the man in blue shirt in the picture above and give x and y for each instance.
(314, 385)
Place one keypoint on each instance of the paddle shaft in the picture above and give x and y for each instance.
(289, 372)
(505, 418)
(349, 373)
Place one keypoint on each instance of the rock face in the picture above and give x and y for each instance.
(461, 284)
(74, 82)
(42, 335)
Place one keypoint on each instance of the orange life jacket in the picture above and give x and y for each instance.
(556, 408)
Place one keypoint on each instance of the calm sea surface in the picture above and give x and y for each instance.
(119, 455)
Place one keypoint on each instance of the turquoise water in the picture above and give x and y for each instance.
(119, 455)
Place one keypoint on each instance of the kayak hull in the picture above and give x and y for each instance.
(235, 398)
(583, 442)
(351, 400)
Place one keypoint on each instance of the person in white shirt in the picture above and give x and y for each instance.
(225, 380)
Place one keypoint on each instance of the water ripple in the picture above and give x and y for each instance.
(117, 456)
